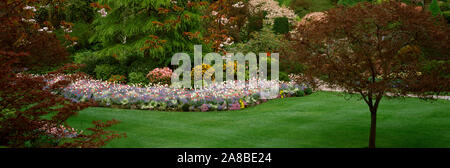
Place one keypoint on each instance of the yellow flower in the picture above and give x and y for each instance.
(242, 103)
(200, 71)
(281, 93)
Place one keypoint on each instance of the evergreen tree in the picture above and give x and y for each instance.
(143, 34)
(434, 8)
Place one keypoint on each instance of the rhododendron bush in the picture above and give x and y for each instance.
(160, 76)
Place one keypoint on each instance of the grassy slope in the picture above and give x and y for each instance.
(319, 120)
(315, 5)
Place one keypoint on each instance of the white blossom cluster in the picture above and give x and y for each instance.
(67, 30)
(29, 20)
(239, 4)
(102, 12)
(273, 10)
(46, 29)
(30, 8)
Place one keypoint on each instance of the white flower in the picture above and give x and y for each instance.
(45, 28)
(214, 13)
(224, 20)
(103, 12)
(238, 4)
(273, 10)
(30, 8)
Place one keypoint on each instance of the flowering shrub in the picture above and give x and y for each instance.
(222, 96)
(199, 71)
(160, 76)
(273, 9)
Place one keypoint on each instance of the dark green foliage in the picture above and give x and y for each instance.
(255, 22)
(308, 91)
(90, 61)
(303, 7)
(79, 11)
(105, 71)
(185, 107)
(82, 31)
(281, 25)
(434, 8)
(283, 76)
(300, 93)
(142, 65)
(290, 67)
(446, 15)
(137, 78)
(127, 27)
(351, 2)
(444, 6)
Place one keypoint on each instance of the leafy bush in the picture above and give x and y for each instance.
(106, 71)
(82, 31)
(444, 6)
(308, 91)
(301, 7)
(261, 42)
(283, 76)
(185, 107)
(300, 93)
(79, 11)
(434, 8)
(142, 65)
(255, 22)
(137, 78)
(91, 61)
(281, 25)
(446, 15)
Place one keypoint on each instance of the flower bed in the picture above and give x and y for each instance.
(223, 96)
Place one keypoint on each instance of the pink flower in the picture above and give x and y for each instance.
(204, 108)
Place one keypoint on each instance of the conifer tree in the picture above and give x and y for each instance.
(434, 8)
(136, 32)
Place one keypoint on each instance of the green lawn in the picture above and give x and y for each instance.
(322, 119)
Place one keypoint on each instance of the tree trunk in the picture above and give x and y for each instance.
(373, 127)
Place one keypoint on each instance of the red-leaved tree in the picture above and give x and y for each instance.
(31, 113)
(375, 50)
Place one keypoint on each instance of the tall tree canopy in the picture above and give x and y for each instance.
(377, 49)
(150, 29)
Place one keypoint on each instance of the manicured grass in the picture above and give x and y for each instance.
(322, 119)
(314, 5)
